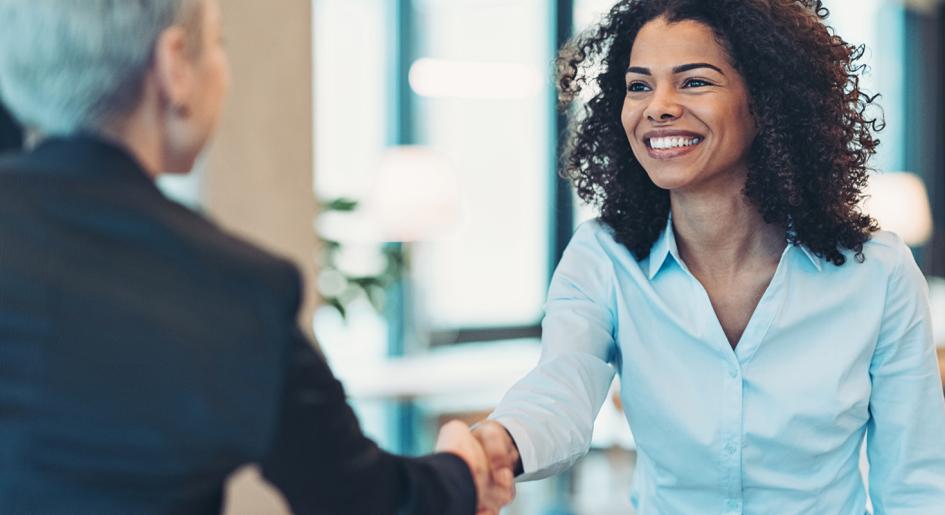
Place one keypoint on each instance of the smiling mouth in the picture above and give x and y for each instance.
(672, 142)
(669, 147)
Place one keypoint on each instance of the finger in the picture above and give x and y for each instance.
(455, 437)
(449, 434)
(497, 449)
(477, 463)
(510, 449)
(499, 457)
(500, 491)
(504, 479)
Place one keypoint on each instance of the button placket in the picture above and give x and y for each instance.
(732, 436)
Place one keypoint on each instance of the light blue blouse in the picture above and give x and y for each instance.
(830, 354)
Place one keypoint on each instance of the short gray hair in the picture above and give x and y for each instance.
(78, 65)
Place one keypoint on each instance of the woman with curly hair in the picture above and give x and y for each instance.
(762, 326)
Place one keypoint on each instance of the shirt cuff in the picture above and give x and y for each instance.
(526, 450)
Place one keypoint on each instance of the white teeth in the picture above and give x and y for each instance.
(673, 142)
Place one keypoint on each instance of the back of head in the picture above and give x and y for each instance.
(69, 66)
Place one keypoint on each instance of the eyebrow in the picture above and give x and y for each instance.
(678, 69)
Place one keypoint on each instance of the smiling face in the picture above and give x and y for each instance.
(686, 112)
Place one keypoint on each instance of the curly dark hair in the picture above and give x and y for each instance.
(808, 163)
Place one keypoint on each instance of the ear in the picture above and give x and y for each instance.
(173, 67)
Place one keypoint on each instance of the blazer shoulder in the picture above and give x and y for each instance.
(233, 255)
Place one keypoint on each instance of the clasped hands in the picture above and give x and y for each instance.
(492, 458)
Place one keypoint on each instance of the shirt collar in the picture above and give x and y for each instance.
(665, 246)
(810, 255)
(89, 155)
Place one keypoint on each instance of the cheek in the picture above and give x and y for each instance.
(736, 131)
(218, 75)
(215, 85)
(218, 81)
(225, 67)
(629, 118)
(752, 128)
(747, 131)
(730, 121)
(745, 120)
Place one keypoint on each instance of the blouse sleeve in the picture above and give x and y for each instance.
(550, 413)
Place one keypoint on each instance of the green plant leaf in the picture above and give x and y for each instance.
(340, 204)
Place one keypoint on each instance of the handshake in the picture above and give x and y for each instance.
(492, 457)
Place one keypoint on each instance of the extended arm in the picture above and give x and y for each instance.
(324, 464)
(550, 413)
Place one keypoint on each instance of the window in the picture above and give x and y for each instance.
(481, 75)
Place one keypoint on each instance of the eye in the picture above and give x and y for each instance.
(637, 87)
(696, 83)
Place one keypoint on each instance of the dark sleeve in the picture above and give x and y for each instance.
(11, 137)
(323, 463)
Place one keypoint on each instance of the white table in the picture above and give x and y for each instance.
(468, 377)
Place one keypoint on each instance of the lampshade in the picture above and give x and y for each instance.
(415, 195)
(899, 202)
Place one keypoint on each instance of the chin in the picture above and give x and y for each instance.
(668, 179)
(178, 172)
(187, 157)
(180, 165)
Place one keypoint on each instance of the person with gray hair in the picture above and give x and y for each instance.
(145, 354)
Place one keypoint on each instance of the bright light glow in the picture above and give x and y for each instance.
(438, 78)
(900, 204)
(415, 195)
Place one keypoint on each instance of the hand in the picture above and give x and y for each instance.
(494, 487)
(498, 444)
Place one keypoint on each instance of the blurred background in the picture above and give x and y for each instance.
(402, 152)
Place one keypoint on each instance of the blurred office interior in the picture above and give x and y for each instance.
(403, 153)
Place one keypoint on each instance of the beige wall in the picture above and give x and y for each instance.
(258, 181)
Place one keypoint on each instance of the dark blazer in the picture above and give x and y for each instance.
(145, 354)
(11, 136)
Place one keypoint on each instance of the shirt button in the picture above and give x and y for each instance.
(732, 505)
(732, 373)
(730, 449)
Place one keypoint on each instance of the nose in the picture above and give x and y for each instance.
(663, 106)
